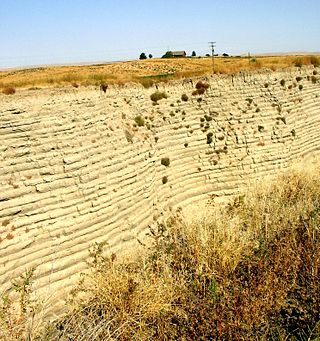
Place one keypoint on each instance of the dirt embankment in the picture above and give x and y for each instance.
(79, 166)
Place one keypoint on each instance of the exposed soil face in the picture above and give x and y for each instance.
(80, 166)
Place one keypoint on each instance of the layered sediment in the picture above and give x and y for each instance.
(76, 168)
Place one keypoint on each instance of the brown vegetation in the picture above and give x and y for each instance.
(201, 88)
(248, 271)
(146, 72)
(104, 87)
(8, 90)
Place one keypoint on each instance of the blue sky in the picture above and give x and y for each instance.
(34, 32)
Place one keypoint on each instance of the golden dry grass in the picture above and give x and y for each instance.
(146, 72)
(246, 271)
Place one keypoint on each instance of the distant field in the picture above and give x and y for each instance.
(146, 72)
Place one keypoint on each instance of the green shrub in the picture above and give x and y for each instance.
(139, 120)
(156, 96)
(298, 79)
(164, 179)
(282, 82)
(18, 308)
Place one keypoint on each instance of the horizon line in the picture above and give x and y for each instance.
(98, 62)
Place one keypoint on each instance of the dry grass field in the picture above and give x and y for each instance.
(146, 72)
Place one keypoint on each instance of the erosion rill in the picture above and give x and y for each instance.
(76, 168)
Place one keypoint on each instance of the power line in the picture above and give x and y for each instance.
(212, 45)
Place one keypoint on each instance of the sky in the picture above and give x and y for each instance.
(41, 32)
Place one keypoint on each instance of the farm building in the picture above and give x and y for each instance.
(179, 54)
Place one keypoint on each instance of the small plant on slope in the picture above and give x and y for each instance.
(158, 95)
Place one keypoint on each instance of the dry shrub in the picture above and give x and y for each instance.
(124, 301)
(201, 88)
(202, 85)
(165, 161)
(103, 87)
(248, 271)
(184, 98)
(9, 90)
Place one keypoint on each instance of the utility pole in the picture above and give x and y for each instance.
(212, 45)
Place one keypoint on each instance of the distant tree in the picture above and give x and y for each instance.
(207, 55)
(143, 56)
(168, 54)
(150, 55)
(193, 54)
(225, 55)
